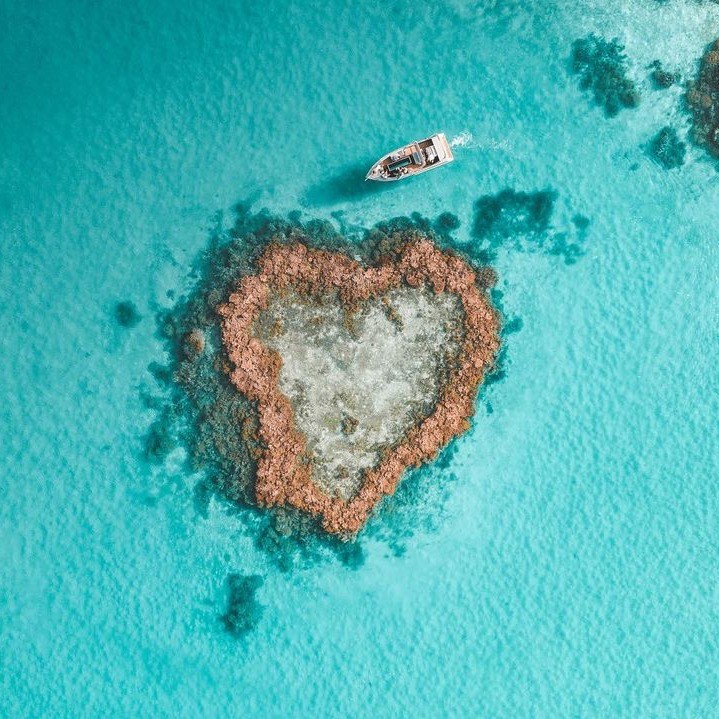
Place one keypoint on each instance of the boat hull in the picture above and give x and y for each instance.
(412, 159)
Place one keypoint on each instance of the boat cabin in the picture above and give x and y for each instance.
(412, 159)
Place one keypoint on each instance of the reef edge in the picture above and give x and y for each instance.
(283, 474)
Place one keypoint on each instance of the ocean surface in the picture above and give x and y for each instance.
(564, 561)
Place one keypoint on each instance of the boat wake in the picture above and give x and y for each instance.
(464, 139)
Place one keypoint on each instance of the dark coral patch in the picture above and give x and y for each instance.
(667, 150)
(351, 554)
(523, 221)
(661, 77)
(562, 245)
(522, 218)
(581, 222)
(446, 223)
(126, 314)
(243, 611)
(601, 66)
(511, 213)
(161, 437)
(513, 325)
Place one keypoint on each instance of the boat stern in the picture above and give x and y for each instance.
(442, 148)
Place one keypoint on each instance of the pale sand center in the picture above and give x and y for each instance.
(358, 381)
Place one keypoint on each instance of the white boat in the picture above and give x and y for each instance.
(412, 159)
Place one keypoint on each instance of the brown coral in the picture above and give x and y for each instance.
(703, 101)
(283, 475)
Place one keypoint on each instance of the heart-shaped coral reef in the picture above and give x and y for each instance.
(359, 372)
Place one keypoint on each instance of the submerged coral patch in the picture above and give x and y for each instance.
(602, 68)
(324, 470)
(661, 77)
(160, 438)
(243, 611)
(667, 149)
(511, 213)
(523, 221)
(126, 314)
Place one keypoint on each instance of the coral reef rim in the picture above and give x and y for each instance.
(703, 101)
(285, 468)
(226, 385)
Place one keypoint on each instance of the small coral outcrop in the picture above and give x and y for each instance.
(243, 610)
(127, 315)
(667, 149)
(661, 77)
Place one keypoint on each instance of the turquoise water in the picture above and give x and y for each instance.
(570, 568)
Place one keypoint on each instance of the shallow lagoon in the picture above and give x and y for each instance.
(560, 560)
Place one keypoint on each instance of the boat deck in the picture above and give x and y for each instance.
(412, 159)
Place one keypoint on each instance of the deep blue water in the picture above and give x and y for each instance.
(565, 562)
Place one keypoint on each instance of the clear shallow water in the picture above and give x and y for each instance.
(571, 569)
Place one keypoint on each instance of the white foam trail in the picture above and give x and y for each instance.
(464, 139)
